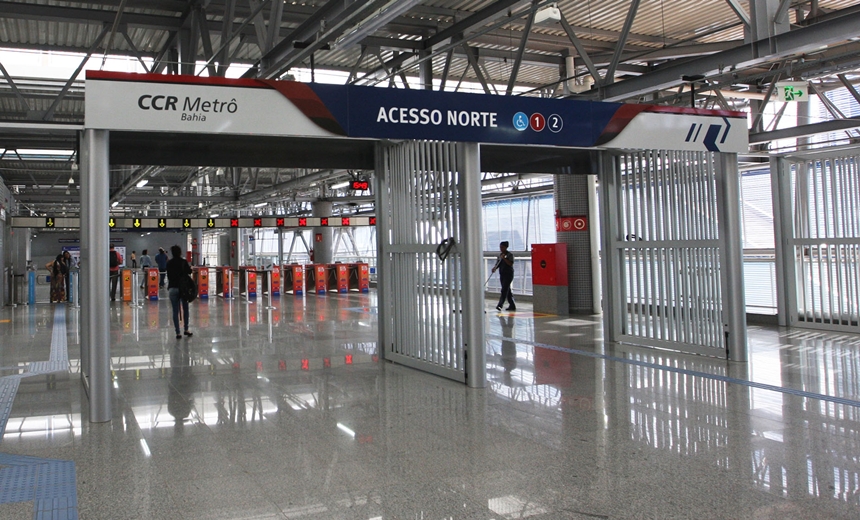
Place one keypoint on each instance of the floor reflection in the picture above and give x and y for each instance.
(290, 413)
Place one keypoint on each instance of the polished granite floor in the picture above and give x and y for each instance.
(289, 413)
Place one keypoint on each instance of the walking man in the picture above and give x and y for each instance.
(161, 260)
(505, 266)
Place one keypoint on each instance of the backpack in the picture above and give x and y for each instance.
(114, 259)
(187, 288)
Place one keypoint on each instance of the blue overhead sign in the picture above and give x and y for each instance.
(420, 114)
(170, 103)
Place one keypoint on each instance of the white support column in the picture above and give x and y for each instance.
(84, 290)
(95, 243)
(383, 237)
(472, 258)
(782, 229)
(614, 311)
(731, 256)
(594, 237)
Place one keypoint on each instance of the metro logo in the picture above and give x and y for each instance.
(157, 102)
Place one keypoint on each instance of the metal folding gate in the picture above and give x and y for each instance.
(671, 275)
(817, 214)
(428, 217)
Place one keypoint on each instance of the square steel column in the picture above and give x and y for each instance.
(471, 249)
(731, 256)
(383, 244)
(614, 306)
(786, 281)
(95, 244)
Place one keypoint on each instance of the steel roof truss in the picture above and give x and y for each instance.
(833, 109)
(741, 12)
(14, 88)
(260, 26)
(622, 40)
(113, 30)
(49, 114)
(798, 41)
(759, 111)
(446, 69)
(227, 32)
(522, 49)
(134, 49)
(354, 71)
(777, 118)
(473, 61)
(580, 49)
(849, 87)
(206, 40)
(275, 15)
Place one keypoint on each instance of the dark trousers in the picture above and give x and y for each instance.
(114, 280)
(175, 302)
(506, 280)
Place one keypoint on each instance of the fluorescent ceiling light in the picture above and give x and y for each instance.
(260, 205)
(340, 185)
(114, 204)
(142, 183)
(344, 428)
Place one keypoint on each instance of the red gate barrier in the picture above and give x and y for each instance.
(294, 278)
(201, 276)
(152, 283)
(359, 277)
(316, 278)
(276, 280)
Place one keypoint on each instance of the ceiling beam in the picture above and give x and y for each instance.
(486, 14)
(798, 41)
(826, 127)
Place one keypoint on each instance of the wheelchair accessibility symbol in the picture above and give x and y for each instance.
(521, 121)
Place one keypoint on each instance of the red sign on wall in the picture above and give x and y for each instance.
(571, 223)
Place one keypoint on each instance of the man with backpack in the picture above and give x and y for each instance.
(178, 272)
(161, 260)
(115, 261)
(145, 264)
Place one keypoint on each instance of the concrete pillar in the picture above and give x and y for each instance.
(322, 239)
(572, 200)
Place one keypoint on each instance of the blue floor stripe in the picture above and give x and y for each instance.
(695, 373)
(49, 483)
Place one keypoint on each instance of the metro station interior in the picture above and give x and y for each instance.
(685, 334)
